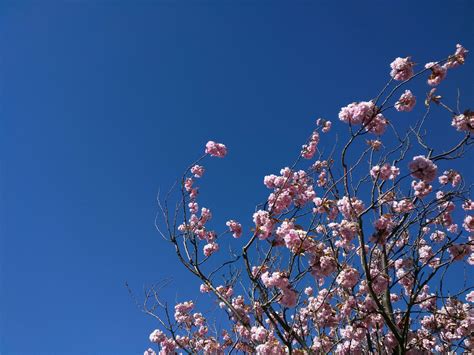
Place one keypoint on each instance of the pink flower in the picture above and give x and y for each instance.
(168, 347)
(263, 223)
(438, 73)
(216, 149)
(402, 206)
(376, 124)
(437, 236)
(157, 336)
(402, 69)
(235, 228)
(464, 122)
(406, 102)
(421, 188)
(325, 124)
(375, 144)
(188, 184)
(210, 248)
(470, 296)
(288, 297)
(451, 176)
(384, 223)
(149, 351)
(350, 208)
(276, 279)
(469, 224)
(364, 113)
(181, 314)
(259, 334)
(205, 215)
(197, 170)
(386, 172)
(468, 205)
(423, 168)
(204, 288)
(308, 150)
(357, 112)
(348, 278)
(458, 58)
(193, 207)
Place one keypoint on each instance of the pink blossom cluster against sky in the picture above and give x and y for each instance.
(104, 103)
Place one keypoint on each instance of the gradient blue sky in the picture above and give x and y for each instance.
(103, 102)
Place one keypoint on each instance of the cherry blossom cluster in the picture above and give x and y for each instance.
(406, 102)
(384, 172)
(464, 121)
(340, 259)
(365, 113)
(290, 187)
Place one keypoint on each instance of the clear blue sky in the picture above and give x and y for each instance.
(103, 102)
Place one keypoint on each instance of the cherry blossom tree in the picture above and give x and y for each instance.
(350, 252)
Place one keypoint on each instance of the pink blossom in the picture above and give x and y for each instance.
(357, 112)
(193, 207)
(157, 336)
(402, 206)
(322, 264)
(197, 170)
(421, 188)
(468, 205)
(270, 347)
(350, 208)
(210, 248)
(216, 149)
(452, 228)
(325, 124)
(470, 296)
(376, 124)
(288, 297)
(204, 288)
(188, 184)
(464, 122)
(193, 193)
(451, 176)
(206, 215)
(457, 59)
(438, 73)
(426, 253)
(375, 144)
(406, 102)
(348, 277)
(259, 334)
(168, 347)
(276, 279)
(291, 187)
(181, 313)
(423, 168)
(402, 69)
(469, 223)
(384, 172)
(263, 224)
(308, 150)
(235, 228)
(438, 236)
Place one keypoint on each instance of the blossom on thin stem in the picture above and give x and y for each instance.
(406, 102)
(402, 68)
(216, 149)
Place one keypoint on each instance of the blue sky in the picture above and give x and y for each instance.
(104, 102)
